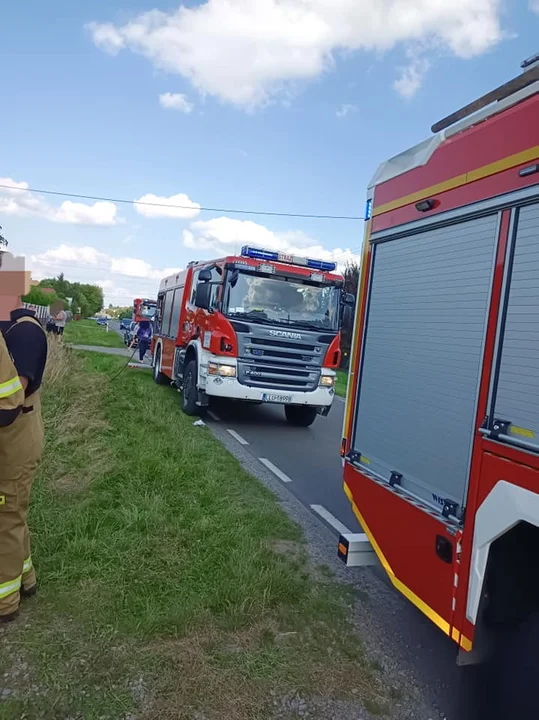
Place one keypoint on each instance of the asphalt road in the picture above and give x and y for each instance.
(308, 456)
(307, 462)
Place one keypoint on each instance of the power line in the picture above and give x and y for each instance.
(230, 211)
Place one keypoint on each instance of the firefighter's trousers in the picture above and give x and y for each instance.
(21, 445)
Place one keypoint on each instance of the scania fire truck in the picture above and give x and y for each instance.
(261, 327)
(144, 309)
(441, 431)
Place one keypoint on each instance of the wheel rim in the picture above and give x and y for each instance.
(156, 366)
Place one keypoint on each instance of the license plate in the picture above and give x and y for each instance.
(271, 398)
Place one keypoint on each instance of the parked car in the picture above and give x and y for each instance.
(129, 334)
(102, 321)
(125, 324)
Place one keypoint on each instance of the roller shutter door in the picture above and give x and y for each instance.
(517, 393)
(423, 350)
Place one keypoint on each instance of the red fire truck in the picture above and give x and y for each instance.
(144, 309)
(261, 327)
(441, 431)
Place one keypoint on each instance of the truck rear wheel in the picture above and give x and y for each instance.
(300, 416)
(190, 391)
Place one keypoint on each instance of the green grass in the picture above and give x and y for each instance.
(88, 332)
(170, 581)
(342, 380)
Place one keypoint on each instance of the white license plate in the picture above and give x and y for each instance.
(271, 398)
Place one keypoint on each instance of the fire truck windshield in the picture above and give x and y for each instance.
(148, 310)
(283, 300)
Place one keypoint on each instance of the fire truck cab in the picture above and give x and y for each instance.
(144, 309)
(441, 433)
(261, 327)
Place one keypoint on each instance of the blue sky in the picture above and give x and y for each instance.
(276, 105)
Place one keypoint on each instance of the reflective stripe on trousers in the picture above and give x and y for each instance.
(10, 387)
(8, 588)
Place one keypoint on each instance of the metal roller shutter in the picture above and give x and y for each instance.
(517, 395)
(422, 357)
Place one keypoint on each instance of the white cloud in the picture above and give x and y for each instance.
(17, 200)
(247, 51)
(411, 77)
(185, 208)
(122, 278)
(176, 101)
(345, 110)
(100, 213)
(534, 6)
(226, 235)
(107, 37)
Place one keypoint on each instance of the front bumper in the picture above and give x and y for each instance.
(225, 387)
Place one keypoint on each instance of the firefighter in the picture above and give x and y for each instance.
(11, 390)
(142, 334)
(21, 439)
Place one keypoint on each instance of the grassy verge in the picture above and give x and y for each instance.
(342, 381)
(88, 332)
(171, 583)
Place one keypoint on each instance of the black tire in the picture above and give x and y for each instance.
(300, 415)
(190, 392)
(158, 376)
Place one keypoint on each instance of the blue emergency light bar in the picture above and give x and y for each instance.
(258, 254)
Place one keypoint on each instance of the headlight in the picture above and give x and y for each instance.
(327, 381)
(222, 370)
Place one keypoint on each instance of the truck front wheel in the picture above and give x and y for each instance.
(300, 416)
(190, 391)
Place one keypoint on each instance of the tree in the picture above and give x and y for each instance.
(87, 297)
(3, 242)
(351, 285)
(351, 277)
(36, 296)
(83, 304)
(94, 297)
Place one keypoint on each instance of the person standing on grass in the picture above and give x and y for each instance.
(143, 333)
(21, 440)
(60, 321)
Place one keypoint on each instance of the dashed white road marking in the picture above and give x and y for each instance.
(213, 416)
(331, 519)
(275, 470)
(237, 437)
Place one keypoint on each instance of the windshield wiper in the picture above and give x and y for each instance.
(304, 324)
(257, 317)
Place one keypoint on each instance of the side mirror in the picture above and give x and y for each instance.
(347, 317)
(204, 276)
(203, 295)
(349, 300)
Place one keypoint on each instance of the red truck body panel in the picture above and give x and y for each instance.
(478, 164)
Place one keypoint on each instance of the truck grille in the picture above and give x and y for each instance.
(284, 364)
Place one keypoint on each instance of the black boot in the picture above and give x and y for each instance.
(28, 592)
(9, 617)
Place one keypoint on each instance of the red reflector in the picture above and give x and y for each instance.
(343, 447)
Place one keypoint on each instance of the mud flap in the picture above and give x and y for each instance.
(483, 641)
